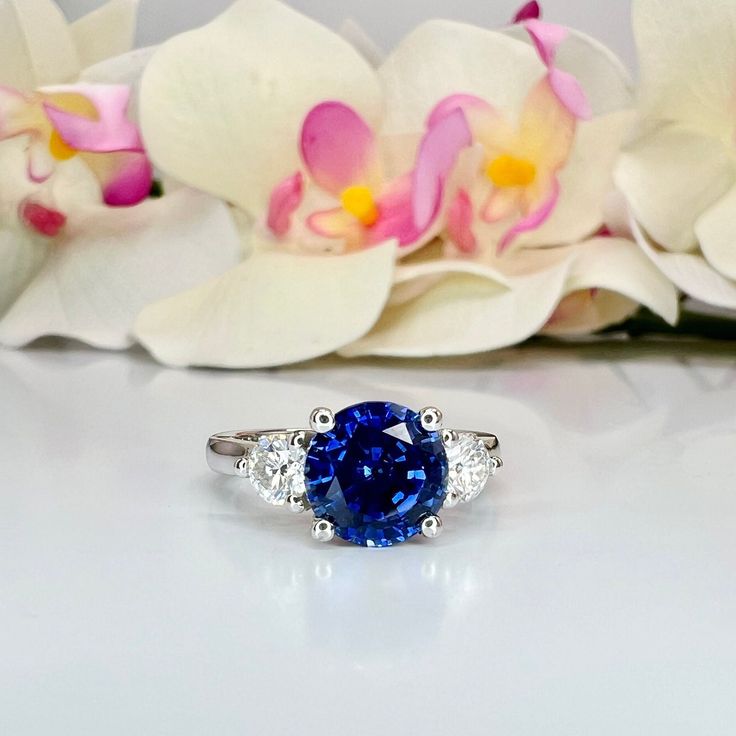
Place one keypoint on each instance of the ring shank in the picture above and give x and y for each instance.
(226, 449)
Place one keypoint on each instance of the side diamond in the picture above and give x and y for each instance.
(470, 467)
(275, 469)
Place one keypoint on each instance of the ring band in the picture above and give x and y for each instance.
(374, 474)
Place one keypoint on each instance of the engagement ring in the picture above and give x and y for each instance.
(374, 474)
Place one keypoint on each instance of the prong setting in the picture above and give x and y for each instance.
(322, 420)
(431, 419)
(297, 504)
(323, 530)
(432, 527)
(241, 466)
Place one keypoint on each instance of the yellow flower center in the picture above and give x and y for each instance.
(359, 202)
(59, 149)
(509, 171)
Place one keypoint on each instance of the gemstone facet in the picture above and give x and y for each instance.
(470, 467)
(275, 468)
(377, 475)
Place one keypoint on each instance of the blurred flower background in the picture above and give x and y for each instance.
(265, 189)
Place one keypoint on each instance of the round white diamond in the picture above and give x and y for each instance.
(276, 469)
(470, 467)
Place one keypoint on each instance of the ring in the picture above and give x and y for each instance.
(374, 474)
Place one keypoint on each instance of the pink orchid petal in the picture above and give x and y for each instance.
(337, 224)
(533, 220)
(41, 219)
(285, 200)
(449, 105)
(438, 154)
(111, 131)
(396, 215)
(125, 177)
(530, 11)
(546, 37)
(460, 223)
(570, 94)
(338, 148)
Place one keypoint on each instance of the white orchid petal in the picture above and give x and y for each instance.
(354, 33)
(602, 75)
(105, 32)
(126, 68)
(670, 177)
(716, 231)
(618, 265)
(222, 106)
(690, 273)
(113, 262)
(273, 309)
(582, 313)
(36, 45)
(585, 182)
(21, 255)
(687, 58)
(466, 313)
(442, 58)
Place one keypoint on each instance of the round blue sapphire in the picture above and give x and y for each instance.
(377, 474)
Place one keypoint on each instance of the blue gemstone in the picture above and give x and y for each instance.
(377, 474)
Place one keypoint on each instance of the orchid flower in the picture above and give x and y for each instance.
(520, 163)
(85, 120)
(679, 173)
(76, 257)
(548, 109)
(340, 154)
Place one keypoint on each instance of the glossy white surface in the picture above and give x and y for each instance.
(590, 592)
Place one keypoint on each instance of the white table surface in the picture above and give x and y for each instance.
(592, 591)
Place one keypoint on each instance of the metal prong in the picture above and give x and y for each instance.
(451, 500)
(297, 504)
(298, 440)
(449, 436)
(241, 466)
(432, 527)
(431, 419)
(323, 530)
(497, 463)
(322, 420)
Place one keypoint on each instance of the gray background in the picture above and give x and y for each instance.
(387, 20)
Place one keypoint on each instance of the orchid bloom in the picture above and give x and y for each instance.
(74, 260)
(679, 173)
(519, 163)
(340, 154)
(86, 121)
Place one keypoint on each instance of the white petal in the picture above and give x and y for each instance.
(716, 231)
(21, 255)
(687, 57)
(222, 106)
(105, 32)
(124, 69)
(602, 75)
(586, 180)
(351, 31)
(113, 262)
(36, 45)
(690, 273)
(442, 58)
(273, 309)
(670, 177)
(581, 313)
(618, 265)
(466, 313)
